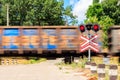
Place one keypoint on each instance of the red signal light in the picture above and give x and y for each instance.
(82, 28)
(96, 27)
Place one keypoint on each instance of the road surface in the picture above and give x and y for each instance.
(42, 71)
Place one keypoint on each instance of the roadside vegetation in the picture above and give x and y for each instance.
(33, 60)
(80, 66)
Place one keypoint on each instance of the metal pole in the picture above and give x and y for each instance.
(89, 51)
(7, 14)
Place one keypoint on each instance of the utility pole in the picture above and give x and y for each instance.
(7, 14)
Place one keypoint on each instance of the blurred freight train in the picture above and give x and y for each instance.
(114, 40)
(18, 40)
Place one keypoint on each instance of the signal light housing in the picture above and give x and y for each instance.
(89, 26)
(82, 28)
(96, 27)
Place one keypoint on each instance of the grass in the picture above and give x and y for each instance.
(33, 60)
(21, 60)
(73, 65)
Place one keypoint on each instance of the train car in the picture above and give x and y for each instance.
(41, 39)
(114, 40)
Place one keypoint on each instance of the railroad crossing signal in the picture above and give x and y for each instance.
(94, 27)
(89, 43)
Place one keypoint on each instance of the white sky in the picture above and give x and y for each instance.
(80, 7)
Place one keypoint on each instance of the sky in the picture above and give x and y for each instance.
(79, 8)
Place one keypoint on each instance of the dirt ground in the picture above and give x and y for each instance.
(42, 71)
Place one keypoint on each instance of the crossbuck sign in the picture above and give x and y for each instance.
(89, 43)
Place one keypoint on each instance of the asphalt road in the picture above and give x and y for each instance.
(41, 71)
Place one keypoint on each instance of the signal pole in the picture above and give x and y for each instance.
(89, 51)
(89, 27)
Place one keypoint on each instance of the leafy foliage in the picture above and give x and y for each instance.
(93, 19)
(111, 8)
(95, 1)
(68, 16)
(105, 22)
(34, 12)
(106, 13)
(95, 10)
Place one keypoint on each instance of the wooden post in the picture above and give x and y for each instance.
(7, 62)
(7, 14)
(2, 61)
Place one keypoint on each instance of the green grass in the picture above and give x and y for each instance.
(33, 60)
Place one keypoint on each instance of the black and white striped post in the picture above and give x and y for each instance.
(113, 72)
(2, 62)
(13, 61)
(16, 62)
(7, 62)
(93, 68)
(101, 71)
(87, 65)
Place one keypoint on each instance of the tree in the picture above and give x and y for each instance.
(106, 22)
(106, 14)
(34, 12)
(105, 8)
(92, 20)
(95, 10)
(112, 9)
(95, 1)
(2, 14)
(68, 16)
